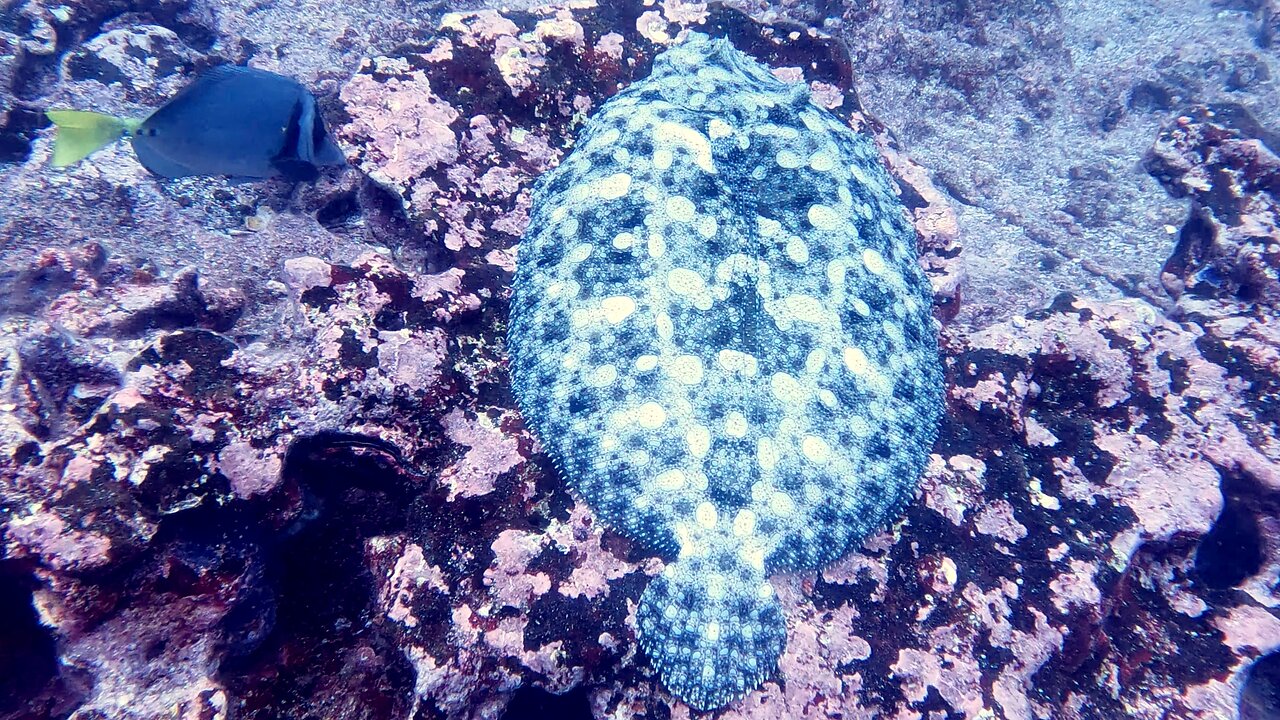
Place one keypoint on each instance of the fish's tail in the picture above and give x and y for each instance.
(82, 133)
(713, 629)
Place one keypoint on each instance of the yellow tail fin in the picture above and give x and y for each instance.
(82, 133)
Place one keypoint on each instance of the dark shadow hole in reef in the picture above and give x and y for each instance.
(17, 134)
(386, 224)
(533, 704)
(1232, 550)
(327, 654)
(340, 213)
(28, 660)
(1260, 697)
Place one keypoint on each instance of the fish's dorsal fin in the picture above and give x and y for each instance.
(222, 73)
(80, 133)
(210, 78)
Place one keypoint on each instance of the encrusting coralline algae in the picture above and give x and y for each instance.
(721, 332)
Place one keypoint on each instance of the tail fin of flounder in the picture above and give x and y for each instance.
(714, 633)
(82, 133)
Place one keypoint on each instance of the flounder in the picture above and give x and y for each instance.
(722, 335)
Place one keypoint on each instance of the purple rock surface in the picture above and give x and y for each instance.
(259, 456)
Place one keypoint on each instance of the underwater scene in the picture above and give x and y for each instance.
(640, 360)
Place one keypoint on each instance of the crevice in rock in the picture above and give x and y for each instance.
(1260, 697)
(531, 703)
(1233, 549)
(29, 682)
(18, 133)
(326, 654)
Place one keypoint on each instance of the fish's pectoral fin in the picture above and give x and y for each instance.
(80, 133)
(304, 118)
(312, 138)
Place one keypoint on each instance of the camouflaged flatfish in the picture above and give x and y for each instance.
(721, 333)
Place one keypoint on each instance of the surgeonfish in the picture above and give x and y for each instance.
(231, 120)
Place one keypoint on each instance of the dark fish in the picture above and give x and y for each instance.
(230, 120)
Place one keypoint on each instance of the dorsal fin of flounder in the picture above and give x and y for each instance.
(721, 333)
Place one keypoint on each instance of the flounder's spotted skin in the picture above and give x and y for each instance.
(721, 333)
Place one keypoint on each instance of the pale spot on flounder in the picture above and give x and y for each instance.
(822, 161)
(856, 361)
(874, 261)
(670, 480)
(744, 523)
(735, 424)
(815, 360)
(753, 556)
(682, 281)
(608, 137)
(797, 251)
(617, 308)
(824, 217)
(706, 226)
(680, 208)
(664, 326)
(686, 369)
(787, 389)
(801, 308)
(692, 140)
(788, 159)
(657, 245)
(706, 515)
(739, 362)
(767, 227)
(602, 376)
(580, 253)
(835, 272)
(651, 415)
(614, 186)
(815, 449)
(698, 438)
(781, 503)
(767, 453)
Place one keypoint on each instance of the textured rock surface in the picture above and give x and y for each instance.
(1033, 118)
(1226, 163)
(292, 479)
